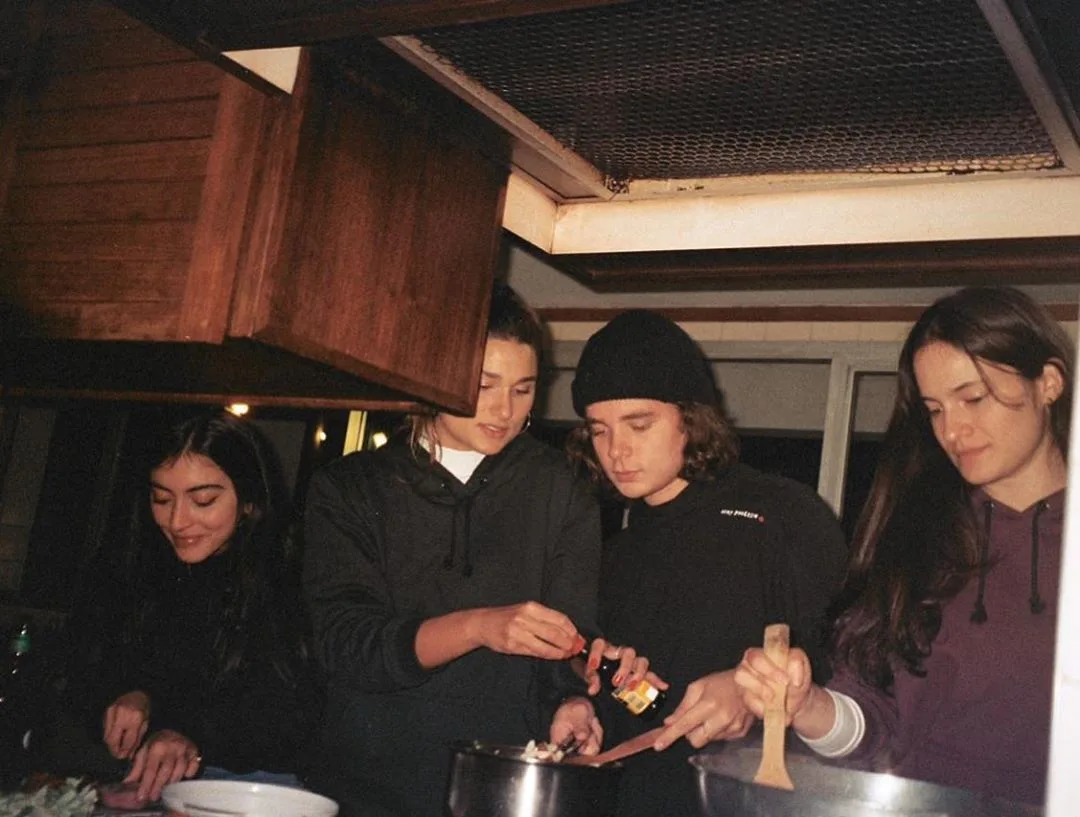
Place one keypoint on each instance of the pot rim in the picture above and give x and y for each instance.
(513, 752)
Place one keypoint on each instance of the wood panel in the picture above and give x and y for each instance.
(142, 161)
(154, 241)
(100, 321)
(128, 85)
(116, 201)
(156, 122)
(109, 49)
(394, 229)
(185, 372)
(77, 18)
(121, 281)
(219, 231)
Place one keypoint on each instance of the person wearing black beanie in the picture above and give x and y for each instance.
(712, 550)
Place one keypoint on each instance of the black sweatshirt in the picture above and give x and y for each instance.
(252, 720)
(684, 584)
(390, 542)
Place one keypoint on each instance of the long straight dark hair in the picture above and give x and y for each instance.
(262, 614)
(916, 541)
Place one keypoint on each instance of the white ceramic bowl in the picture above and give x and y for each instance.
(225, 798)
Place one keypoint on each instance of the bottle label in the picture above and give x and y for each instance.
(637, 698)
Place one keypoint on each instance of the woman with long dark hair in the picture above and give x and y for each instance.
(945, 645)
(208, 673)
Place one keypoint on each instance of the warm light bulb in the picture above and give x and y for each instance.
(239, 409)
(320, 435)
(378, 439)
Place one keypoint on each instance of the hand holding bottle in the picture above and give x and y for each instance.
(624, 673)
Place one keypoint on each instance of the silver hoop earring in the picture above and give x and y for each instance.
(528, 421)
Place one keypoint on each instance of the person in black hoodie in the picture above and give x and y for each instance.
(712, 550)
(206, 669)
(447, 574)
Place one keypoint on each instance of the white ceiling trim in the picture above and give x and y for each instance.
(943, 211)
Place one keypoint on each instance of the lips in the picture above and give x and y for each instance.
(967, 456)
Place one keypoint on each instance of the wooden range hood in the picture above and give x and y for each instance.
(170, 232)
(932, 140)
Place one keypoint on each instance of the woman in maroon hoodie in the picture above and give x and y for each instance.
(945, 646)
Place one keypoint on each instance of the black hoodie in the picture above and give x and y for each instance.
(392, 541)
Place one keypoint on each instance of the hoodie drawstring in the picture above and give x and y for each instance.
(979, 614)
(461, 531)
(1036, 602)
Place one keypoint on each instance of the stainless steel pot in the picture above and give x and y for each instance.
(488, 780)
(725, 790)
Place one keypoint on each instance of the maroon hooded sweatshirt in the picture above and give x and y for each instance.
(980, 717)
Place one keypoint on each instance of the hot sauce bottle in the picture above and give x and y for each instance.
(643, 699)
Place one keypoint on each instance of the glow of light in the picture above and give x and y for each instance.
(320, 435)
(239, 409)
(378, 439)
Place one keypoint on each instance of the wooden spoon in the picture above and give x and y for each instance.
(618, 752)
(772, 771)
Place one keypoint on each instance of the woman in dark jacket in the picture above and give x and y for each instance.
(945, 649)
(207, 671)
(447, 575)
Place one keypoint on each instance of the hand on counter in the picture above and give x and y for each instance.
(165, 758)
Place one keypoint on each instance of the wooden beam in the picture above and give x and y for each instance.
(928, 263)
(309, 22)
(863, 313)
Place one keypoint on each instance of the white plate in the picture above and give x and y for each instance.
(235, 798)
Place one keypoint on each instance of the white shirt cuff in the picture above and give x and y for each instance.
(847, 730)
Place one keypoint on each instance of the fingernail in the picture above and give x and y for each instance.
(617, 680)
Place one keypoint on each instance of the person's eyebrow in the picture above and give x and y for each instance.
(494, 376)
(638, 415)
(956, 389)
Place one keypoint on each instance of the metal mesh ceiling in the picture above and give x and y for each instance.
(680, 89)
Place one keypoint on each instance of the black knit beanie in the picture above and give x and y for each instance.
(641, 354)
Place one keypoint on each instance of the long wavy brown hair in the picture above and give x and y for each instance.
(711, 445)
(916, 542)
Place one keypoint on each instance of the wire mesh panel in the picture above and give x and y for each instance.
(705, 88)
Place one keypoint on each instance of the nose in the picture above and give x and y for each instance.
(618, 445)
(179, 519)
(502, 406)
(953, 426)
